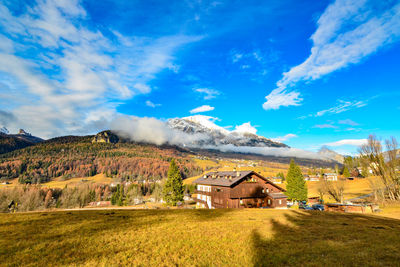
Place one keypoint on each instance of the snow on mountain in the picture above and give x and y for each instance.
(205, 121)
(243, 135)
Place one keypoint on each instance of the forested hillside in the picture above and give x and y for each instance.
(74, 156)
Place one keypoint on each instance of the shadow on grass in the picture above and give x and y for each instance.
(64, 238)
(330, 239)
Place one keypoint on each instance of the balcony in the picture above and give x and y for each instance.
(202, 192)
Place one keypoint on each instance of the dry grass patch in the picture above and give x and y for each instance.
(250, 237)
(60, 183)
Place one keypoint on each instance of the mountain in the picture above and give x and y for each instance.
(325, 152)
(105, 137)
(11, 142)
(211, 134)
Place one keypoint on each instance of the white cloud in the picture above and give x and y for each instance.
(342, 107)
(348, 122)
(154, 131)
(236, 57)
(325, 126)
(203, 108)
(151, 104)
(74, 71)
(284, 138)
(347, 32)
(245, 128)
(282, 98)
(209, 93)
(350, 142)
(143, 88)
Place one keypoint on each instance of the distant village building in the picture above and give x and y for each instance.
(330, 176)
(241, 189)
(311, 178)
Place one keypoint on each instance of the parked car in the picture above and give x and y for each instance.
(318, 207)
(304, 206)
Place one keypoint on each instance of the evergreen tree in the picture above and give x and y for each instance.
(346, 172)
(296, 188)
(173, 188)
(281, 175)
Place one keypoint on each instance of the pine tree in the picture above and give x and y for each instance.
(296, 188)
(346, 172)
(281, 175)
(173, 188)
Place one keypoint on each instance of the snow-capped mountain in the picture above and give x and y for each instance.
(214, 135)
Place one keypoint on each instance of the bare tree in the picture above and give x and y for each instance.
(384, 167)
(335, 189)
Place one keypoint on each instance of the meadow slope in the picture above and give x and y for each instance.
(250, 237)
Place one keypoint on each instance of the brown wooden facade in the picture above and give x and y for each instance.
(238, 190)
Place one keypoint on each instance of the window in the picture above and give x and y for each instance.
(269, 201)
(280, 201)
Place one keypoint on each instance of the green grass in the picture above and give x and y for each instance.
(250, 237)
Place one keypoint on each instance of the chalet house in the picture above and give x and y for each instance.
(330, 176)
(241, 189)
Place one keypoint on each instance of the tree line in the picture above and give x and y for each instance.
(126, 162)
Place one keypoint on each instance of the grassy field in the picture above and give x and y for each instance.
(352, 188)
(59, 183)
(250, 237)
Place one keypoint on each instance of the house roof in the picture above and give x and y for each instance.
(227, 178)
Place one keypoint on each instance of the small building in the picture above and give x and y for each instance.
(241, 189)
(330, 176)
(311, 178)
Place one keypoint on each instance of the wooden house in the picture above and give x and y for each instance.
(241, 189)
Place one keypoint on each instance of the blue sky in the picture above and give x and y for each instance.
(307, 73)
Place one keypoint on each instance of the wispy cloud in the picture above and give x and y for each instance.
(284, 138)
(350, 142)
(342, 106)
(200, 109)
(151, 104)
(236, 57)
(208, 93)
(71, 71)
(347, 32)
(325, 126)
(348, 122)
